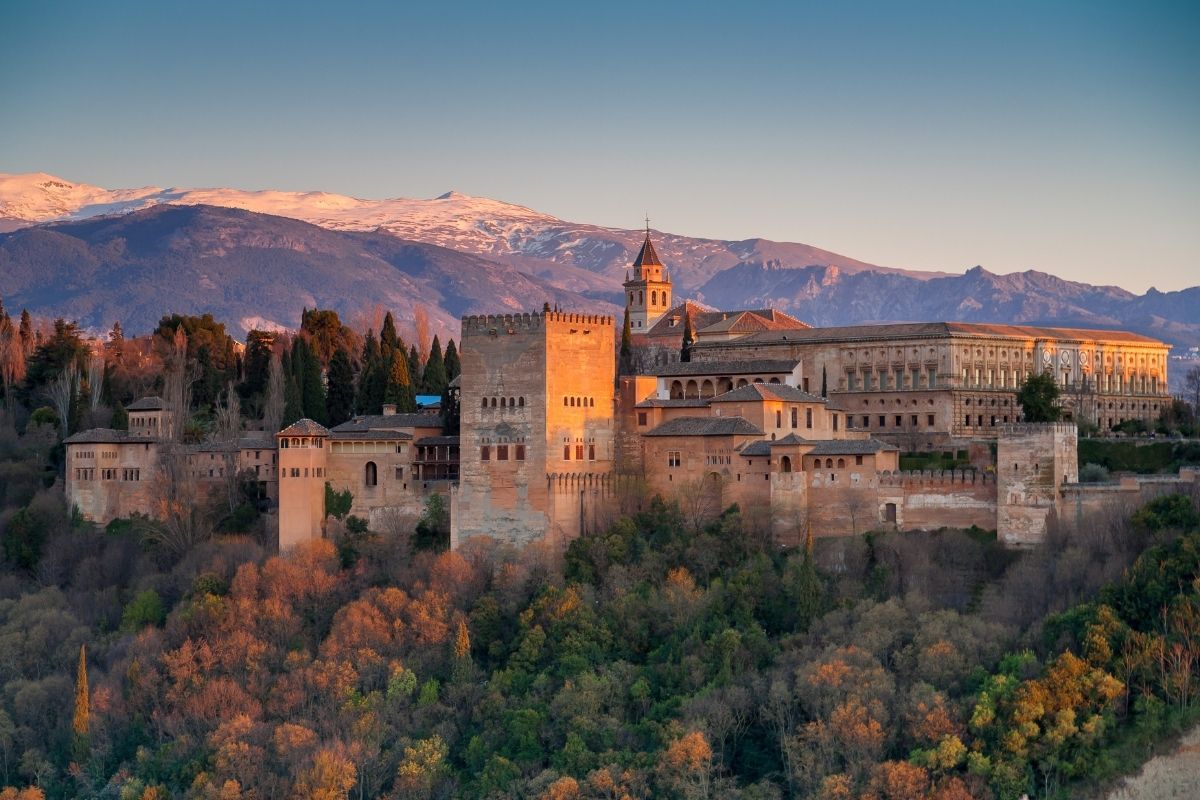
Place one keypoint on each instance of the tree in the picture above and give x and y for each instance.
(62, 393)
(372, 380)
(339, 399)
(260, 349)
(1191, 382)
(434, 380)
(1038, 398)
(80, 722)
(274, 402)
(389, 340)
(326, 334)
(453, 367)
(625, 363)
(824, 382)
(306, 369)
(398, 388)
(689, 336)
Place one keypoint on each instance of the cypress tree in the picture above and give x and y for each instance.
(453, 368)
(339, 399)
(26, 331)
(625, 365)
(81, 723)
(434, 380)
(120, 417)
(824, 382)
(399, 389)
(689, 337)
(293, 406)
(414, 367)
(389, 340)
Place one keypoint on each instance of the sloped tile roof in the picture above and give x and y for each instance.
(767, 391)
(902, 330)
(304, 427)
(765, 366)
(706, 426)
(675, 402)
(376, 422)
(147, 404)
(647, 257)
(106, 436)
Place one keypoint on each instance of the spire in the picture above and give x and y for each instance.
(646, 257)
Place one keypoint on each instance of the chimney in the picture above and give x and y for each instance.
(389, 409)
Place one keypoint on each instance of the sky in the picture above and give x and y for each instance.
(1054, 135)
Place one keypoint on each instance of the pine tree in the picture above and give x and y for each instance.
(339, 399)
(625, 365)
(453, 367)
(689, 337)
(116, 335)
(81, 722)
(434, 380)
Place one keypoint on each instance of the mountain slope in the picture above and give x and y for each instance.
(247, 269)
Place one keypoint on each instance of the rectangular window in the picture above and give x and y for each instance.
(967, 420)
(591, 452)
(866, 421)
(520, 452)
(579, 452)
(778, 419)
(641, 418)
(673, 459)
(795, 418)
(835, 422)
(914, 420)
(929, 420)
(399, 473)
(858, 461)
(502, 452)
(485, 453)
(807, 418)
(899, 420)
(882, 421)
(566, 452)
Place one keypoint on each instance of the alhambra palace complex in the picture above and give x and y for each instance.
(801, 427)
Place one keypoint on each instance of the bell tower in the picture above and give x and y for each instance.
(648, 291)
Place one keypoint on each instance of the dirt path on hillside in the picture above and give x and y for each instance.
(1175, 776)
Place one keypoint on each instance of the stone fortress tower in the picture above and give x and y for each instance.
(648, 292)
(303, 456)
(1034, 461)
(537, 425)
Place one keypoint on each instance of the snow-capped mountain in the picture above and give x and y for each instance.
(534, 242)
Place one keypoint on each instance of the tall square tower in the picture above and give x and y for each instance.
(537, 426)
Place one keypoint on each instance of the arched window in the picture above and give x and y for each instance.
(485, 402)
(493, 402)
(829, 463)
(841, 463)
(295, 442)
(511, 402)
(640, 298)
(503, 402)
(371, 474)
(654, 298)
(808, 417)
(785, 464)
(521, 402)
(564, 400)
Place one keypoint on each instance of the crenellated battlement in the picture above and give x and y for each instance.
(489, 324)
(911, 479)
(1030, 428)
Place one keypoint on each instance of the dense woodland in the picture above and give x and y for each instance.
(657, 659)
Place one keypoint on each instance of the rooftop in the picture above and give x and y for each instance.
(147, 404)
(754, 392)
(677, 402)
(647, 257)
(902, 330)
(304, 427)
(761, 366)
(706, 426)
(106, 436)
(708, 320)
(376, 422)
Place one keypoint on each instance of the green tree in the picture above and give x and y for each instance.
(120, 417)
(389, 340)
(372, 379)
(257, 366)
(339, 399)
(453, 367)
(64, 348)
(625, 362)
(24, 537)
(434, 380)
(337, 504)
(146, 608)
(1038, 398)
(307, 371)
(326, 334)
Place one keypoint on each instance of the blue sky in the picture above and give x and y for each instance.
(1061, 136)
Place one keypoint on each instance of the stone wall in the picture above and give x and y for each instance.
(1032, 462)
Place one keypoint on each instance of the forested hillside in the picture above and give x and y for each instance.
(649, 661)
